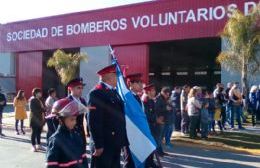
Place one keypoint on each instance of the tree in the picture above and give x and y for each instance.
(242, 33)
(66, 65)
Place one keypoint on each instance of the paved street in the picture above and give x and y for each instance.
(15, 153)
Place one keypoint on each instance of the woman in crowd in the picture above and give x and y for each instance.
(236, 99)
(252, 104)
(194, 107)
(36, 119)
(20, 111)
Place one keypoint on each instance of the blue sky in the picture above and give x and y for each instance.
(15, 10)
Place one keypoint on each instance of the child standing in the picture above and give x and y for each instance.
(65, 146)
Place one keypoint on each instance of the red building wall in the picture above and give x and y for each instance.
(135, 58)
(28, 71)
(127, 25)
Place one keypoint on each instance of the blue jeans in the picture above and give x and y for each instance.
(228, 113)
(159, 137)
(236, 110)
(168, 129)
(204, 129)
(211, 120)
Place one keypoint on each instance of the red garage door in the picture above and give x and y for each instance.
(135, 57)
(28, 71)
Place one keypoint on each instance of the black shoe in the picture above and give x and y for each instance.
(2, 135)
(204, 138)
(17, 133)
(23, 132)
(161, 154)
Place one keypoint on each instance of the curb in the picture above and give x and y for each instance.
(214, 146)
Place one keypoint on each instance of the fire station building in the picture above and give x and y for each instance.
(170, 42)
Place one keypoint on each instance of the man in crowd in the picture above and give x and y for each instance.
(149, 102)
(184, 112)
(219, 96)
(75, 88)
(53, 122)
(176, 103)
(106, 121)
(2, 105)
(163, 109)
(228, 102)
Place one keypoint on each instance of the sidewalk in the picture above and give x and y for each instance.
(9, 120)
(228, 141)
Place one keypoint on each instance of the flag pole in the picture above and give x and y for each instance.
(155, 152)
(112, 53)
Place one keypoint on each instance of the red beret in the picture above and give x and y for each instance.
(108, 69)
(149, 87)
(136, 77)
(75, 82)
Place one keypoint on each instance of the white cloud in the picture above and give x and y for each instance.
(15, 10)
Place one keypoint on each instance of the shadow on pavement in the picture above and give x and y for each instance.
(183, 157)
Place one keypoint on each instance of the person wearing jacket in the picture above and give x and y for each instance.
(37, 113)
(106, 121)
(184, 112)
(252, 104)
(52, 123)
(149, 103)
(163, 109)
(193, 107)
(75, 88)
(211, 110)
(2, 105)
(258, 104)
(236, 100)
(66, 147)
(20, 103)
(176, 104)
(204, 116)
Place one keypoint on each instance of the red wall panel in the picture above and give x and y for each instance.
(187, 28)
(135, 58)
(28, 71)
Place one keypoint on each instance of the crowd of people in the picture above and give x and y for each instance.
(190, 110)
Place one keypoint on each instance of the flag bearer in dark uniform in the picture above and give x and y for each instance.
(66, 147)
(135, 85)
(75, 87)
(106, 120)
(149, 101)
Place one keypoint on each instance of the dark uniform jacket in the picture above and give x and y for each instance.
(66, 149)
(80, 121)
(37, 112)
(2, 98)
(149, 108)
(106, 119)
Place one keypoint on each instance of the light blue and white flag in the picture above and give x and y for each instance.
(142, 143)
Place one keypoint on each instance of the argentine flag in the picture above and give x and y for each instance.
(142, 143)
